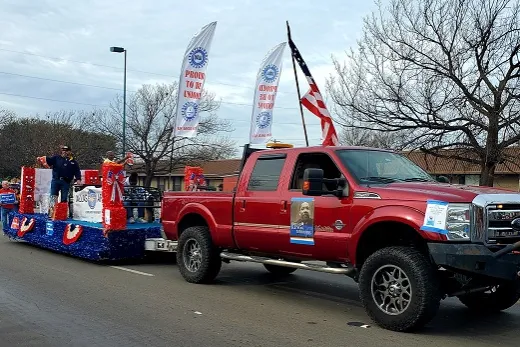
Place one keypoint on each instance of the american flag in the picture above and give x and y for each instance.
(313, 101)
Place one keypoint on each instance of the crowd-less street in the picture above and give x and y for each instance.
(49, 299)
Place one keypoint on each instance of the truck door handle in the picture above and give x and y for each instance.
(284, 205)
(243, 206)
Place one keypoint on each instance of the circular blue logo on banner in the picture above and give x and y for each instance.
(189, 111)
(263, 120)
(198, 57)
(269, 73)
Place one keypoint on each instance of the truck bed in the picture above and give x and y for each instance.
(216, 205)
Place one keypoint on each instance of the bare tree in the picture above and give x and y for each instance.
(6, 116)
(23, 139)
(352, 135)
(444, 72)
(150, 123)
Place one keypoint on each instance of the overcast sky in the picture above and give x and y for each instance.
(44, 43)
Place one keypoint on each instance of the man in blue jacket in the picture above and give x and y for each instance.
(64, 169)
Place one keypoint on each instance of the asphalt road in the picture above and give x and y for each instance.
(48, 299)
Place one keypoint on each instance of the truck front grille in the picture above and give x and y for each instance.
(499, 221)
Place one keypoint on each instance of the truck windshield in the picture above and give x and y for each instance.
(380, 167)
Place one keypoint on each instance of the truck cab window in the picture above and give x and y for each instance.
(266, 173)
(314, 161)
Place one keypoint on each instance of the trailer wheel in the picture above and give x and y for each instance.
(399, 289)
(197, 257)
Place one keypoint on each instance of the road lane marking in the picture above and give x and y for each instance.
(132, 271)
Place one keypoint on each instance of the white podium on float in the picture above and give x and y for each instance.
(87, 204)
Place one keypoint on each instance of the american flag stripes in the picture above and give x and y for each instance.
(313, 101)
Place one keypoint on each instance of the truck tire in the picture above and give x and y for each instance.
(197, 257)
(399, 289)
(279, 270)
(505, 296)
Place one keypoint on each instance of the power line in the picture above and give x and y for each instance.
(47, 99)
(60, 81)
(105, 106)
(120, 68)
(295, 139)
(130, 91)
(229, 119)
(73, 102)
(74, 61)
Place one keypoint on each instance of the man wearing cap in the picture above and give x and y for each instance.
(64, 169)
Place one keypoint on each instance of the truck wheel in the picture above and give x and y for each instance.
(198, 259)
(279, 270)
(498, 299)
(399, 289)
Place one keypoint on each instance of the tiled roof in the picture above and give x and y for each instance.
(221, 167)
(430, 163)
(450, 165)
(217, 168)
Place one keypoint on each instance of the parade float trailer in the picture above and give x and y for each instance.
(94, 224)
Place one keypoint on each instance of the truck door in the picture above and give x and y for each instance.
(260, 219)
(323, 219)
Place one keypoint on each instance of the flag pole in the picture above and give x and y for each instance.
(298, 88)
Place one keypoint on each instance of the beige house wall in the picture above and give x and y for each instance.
(507, 182)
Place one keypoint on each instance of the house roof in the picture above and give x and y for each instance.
(452, 165)
(220, 167)
(430, 163)
(217, 168)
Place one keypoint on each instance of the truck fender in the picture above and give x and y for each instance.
(397, 214)
(200, 210)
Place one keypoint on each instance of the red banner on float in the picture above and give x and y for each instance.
(113, 213)
(193, 178)
(27, 190)
(91, 177)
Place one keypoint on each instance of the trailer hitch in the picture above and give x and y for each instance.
(509, 248)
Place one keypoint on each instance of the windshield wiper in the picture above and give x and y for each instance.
(416, 179)
(381, 179)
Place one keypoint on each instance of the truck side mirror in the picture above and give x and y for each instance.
(312, 182)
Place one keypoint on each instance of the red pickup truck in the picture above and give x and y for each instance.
(373, 215)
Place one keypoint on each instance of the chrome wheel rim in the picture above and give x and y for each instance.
(391, 290)
(192, 255)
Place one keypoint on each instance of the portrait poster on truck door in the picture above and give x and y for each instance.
(302, 221)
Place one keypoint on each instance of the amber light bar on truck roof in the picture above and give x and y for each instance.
(275, 145)
(270, 145)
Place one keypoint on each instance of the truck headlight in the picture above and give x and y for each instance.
(458, 221)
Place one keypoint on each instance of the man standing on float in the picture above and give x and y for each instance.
(64, 169)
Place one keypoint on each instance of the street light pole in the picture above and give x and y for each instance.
(122, 50)
(124, 112)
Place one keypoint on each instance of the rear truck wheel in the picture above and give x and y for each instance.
(499, 298)
(279, 270)
(197, 257)
(399, 288)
